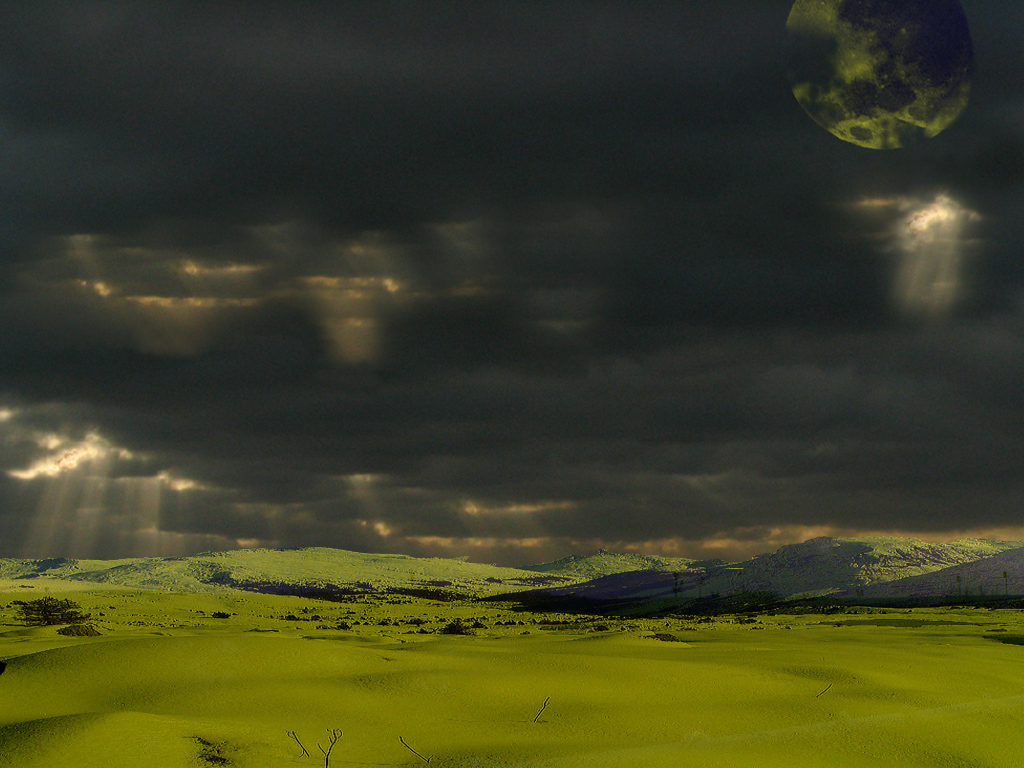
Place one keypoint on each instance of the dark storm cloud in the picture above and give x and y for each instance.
(413, 108)
(344, 274)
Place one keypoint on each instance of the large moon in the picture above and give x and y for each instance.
(883, 74)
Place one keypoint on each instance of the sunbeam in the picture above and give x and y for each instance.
(930, 280)
(85, 510)
(70, 511)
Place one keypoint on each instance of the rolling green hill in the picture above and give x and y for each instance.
(283, 570)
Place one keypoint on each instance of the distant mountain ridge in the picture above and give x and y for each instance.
(843, 567)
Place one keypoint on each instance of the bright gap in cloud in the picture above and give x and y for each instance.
(168, 302)
(930, 278)
(476, 509)
(66, 455)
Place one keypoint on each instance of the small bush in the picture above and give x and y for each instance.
(339, 625)
(665, 637)
(79, 630)
(456, 627)
(220, 615)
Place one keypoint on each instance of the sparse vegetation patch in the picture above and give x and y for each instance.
(665, 637)
(211, 753)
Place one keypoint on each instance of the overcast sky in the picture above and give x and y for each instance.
(504, 280)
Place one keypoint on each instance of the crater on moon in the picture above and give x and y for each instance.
(882, 74)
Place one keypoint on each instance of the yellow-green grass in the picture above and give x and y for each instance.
(167, 684)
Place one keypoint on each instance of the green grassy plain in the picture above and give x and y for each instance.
(169, 685)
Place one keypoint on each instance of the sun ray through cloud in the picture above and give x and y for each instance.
(932, 277)
(70, 510)
(85, 506)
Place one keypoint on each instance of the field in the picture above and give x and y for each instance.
(173, 682)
